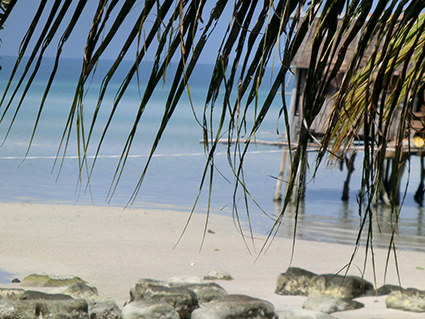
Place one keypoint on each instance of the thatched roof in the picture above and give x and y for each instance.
(302, 58)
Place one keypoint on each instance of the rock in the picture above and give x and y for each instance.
(11, 293)
(383, 290)
(236, 306)
(207, 292)
(80, 290)
(329, 304)
(307, 314)
(15, 281)
(294, 281)
(218, 275)
(36, 280)
(99, 307)
(39, 308)
(146, 310)
(182, 299)
(407, 299)
(6, 309)
(345, 287)
(297, 281)
(145, 282)
(38, 295)
(204, 292)
(104, 310)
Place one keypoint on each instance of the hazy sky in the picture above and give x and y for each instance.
(21, 16)
(18, 22)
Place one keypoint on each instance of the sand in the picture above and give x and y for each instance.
(112, 248)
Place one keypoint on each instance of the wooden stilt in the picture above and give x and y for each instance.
(277, 195)
(293, 131)
(419, 195)
(391, 187)
(386, 183)
(350, 167)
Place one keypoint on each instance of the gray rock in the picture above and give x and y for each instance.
(218, 275)
(407, 299)
(297, 281)
(80, 290)
(146, 310)
(207, 292)
(182, 299)
(39, 308)
(11, 293)
(329, 304)
(99, 307)
(307, 314)
(38, 295)
(345, 287)
(145, 282)
(105, 310)
(236, 306)
(294, 281)
(6, 309)
(204, 292)
(383, 290)
(36, 280)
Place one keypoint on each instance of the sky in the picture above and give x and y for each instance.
(21, 16)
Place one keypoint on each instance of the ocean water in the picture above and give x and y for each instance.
(174, 176)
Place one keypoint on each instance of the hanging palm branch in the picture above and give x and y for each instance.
(258, 34)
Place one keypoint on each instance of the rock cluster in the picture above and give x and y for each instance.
(35, 304)
(72, 298)
(178, 298)
(331, 293)
(189, 298)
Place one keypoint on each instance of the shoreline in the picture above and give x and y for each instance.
(112, 248)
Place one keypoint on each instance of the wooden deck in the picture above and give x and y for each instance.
(413, 149)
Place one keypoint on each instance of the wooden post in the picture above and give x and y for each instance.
(391, 182)
(277, 195)
(350, 168)
(293, 106)
(419, 195)
(295, 128)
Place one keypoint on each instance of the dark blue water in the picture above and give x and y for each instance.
(174, 175)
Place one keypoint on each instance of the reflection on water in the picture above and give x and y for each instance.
(407, 233)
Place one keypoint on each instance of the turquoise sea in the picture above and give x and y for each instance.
(173, 179)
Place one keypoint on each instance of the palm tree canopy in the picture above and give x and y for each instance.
(379, 44)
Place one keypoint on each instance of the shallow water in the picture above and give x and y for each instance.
(174, 175)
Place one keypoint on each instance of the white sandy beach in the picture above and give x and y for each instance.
(112, 248)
